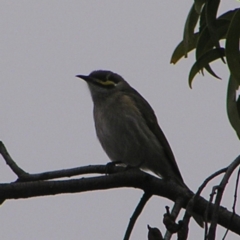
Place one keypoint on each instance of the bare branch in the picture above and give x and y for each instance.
(131, 178)
(171, 226)
(91, 169)
(212, 194)
(9, 161)
(234, 203)
(32, 185)
(183, 232)
(207, 180)
(221, 188)
(191, 203)
(146, 196)
(154, 234)
(24, 176)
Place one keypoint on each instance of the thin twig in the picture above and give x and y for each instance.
(191, 203)
(200, 189)
(227, 175)
(154, 233)
(146, 196)
(183, 232)
(234, 204)
(213, 193)
(174, 213)
(169, 222)
(10, 162)
(207, 180)
(24, 176)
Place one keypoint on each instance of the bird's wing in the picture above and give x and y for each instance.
(151, 120)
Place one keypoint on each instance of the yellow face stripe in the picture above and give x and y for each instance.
(107, 83)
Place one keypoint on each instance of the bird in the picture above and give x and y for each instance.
(127, 126)
(128, 129)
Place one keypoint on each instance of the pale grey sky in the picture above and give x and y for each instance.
(46, 121)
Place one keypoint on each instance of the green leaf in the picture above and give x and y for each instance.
(189, 27)
(233, 105)
(209, 70)
(238, 105)
(205, 42)
(211, 15)
(228, 15)
(203, 61)
(198, 5)
(179, 51)
(202, 19)
(232, 46)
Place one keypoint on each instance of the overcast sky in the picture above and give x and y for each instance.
(46, 113)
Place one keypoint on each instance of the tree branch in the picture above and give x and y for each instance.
(27, 177)
(9, 161)
(234, 203)
(220, 189)
(146, 196)
(33, 185)
(131, 178)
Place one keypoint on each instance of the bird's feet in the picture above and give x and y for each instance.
(110, 167)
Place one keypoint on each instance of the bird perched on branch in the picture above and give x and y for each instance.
(127, 127)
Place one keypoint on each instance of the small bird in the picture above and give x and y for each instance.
(127, 127)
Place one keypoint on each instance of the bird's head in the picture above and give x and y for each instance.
(104, 83)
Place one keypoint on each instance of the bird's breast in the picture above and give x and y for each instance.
(123, 132)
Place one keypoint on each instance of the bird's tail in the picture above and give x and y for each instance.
(196, 217)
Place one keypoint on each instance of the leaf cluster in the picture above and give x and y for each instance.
(206, 43)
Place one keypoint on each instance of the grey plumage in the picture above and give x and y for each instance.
(127, 127)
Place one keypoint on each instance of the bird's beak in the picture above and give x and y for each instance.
(86, 78)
